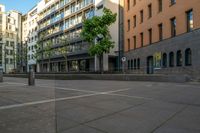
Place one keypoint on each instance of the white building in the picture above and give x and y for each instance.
(30, 36)
(10, 38)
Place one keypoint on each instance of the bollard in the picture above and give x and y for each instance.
(31, 78)
(1, 75)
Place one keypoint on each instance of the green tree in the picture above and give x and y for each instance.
(96, 32)
(48, 52)
(64, 51)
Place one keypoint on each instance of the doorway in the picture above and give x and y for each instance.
(150, 68)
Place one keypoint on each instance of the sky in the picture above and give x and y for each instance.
(22, 6)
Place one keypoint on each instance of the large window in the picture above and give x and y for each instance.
(134, 41)
(141, 16)
(188, 57)
(173, 2)
(190, 22)
(173, 27)
(179, 59)
(128, 4)
(134, 21)
(128, 24)
(138, 63)
(150, 10)
(160, 6)
(142, 39)
(164, 60)
(160, 30)
(150, 36)
(171, 59)
(131, 64)
(129, 47)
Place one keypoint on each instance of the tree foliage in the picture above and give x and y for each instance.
(97, 28)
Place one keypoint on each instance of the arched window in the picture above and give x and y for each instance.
(188, 57)
(164, 60)
(138, 63)
(179, 59)
(135, 64)
(171, 59)
(131, 64)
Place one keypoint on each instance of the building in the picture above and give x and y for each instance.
(10, 38)
(30, 37)
(62, 20)
(162, 36)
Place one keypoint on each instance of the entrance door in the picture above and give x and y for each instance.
(150, 68)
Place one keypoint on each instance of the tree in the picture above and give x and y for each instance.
(48, 52)
(64, 51)
(96, 32)
(38, 53)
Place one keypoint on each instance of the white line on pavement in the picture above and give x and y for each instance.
(58, 99)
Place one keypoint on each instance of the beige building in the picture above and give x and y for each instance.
(10, 38)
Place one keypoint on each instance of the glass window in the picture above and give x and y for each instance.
(190, 22)
(160, 28)
(164, 60)
(171, 59)
(188, 57)
(179, 58)
(173, 27)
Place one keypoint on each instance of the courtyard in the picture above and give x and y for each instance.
(98, 106)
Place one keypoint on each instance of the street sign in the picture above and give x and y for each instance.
(123, 59)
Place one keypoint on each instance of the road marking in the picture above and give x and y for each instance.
(15, 83)
(137, 97)
(58, 99)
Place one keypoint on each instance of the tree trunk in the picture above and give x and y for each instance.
(66, 66)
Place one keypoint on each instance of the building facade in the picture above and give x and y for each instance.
(30, 37)
(162, 36)
(62, 20)
(10, 38)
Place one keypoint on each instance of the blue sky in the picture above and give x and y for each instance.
(21, 5)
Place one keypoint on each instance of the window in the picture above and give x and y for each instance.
(188, 57)
(150, 36)
(171, 59)
(129, 45)
(173, 2)
(142, 39)
(134, 2)
(164, 60)
(128, 4)
(131, 64)
(173, 27)
(150, 10)
(134, 21)
(141, 16)
(138, 63)
(135, 64)
(160, 6)
(160, 29)
(128, 24)
(134, 41)
(190, 22)
(179, 58)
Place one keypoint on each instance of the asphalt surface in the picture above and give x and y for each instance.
(90, 106)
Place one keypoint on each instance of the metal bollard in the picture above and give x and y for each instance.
(31, 78)
(1, 75)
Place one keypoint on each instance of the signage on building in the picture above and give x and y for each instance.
(157, 60)
(123, 59)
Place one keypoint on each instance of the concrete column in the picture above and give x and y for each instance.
(31, 78)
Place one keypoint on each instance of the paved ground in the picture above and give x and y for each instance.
(98, 107)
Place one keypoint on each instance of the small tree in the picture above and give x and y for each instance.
(37, 52)
(96, 33)
(64, 51)
(48, 52)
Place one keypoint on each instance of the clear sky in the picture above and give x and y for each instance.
(20, 5)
